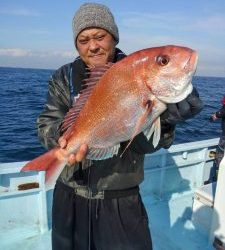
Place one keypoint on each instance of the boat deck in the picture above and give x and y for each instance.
(170, 224)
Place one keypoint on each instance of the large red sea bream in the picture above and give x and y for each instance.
(120, 101)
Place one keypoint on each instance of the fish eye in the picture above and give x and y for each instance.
(162, 60)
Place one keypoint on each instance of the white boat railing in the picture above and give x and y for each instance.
(166, 165)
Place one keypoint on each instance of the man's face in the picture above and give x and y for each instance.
(95, 46)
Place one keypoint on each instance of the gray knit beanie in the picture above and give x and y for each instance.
(94, 15)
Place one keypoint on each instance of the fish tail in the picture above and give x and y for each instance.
(50, 163)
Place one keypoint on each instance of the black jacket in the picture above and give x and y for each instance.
(110, 174)
(221, 114)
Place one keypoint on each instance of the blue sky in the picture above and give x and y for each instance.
(38, 34)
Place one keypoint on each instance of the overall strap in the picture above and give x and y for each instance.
(119, 55)
(76, 76)
(72, 94)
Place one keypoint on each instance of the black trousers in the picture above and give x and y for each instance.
(98, 224)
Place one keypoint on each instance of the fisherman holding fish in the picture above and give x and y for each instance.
(96, 201)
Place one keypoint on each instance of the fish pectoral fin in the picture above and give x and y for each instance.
(156, 129)
(141, 121)
(102, 153)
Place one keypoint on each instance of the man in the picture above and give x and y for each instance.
(220, 114)
(96, 204)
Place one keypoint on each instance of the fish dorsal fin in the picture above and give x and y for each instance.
(94, 74)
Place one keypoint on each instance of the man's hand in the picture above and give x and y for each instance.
(73, 158)
(214, 117)
(181, 111)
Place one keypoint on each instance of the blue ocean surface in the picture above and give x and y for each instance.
(23, 95)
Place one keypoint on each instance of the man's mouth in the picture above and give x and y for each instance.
(96, 55)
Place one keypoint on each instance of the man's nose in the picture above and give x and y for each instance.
(93, 45)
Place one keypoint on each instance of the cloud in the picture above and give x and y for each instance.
(19, 12)
(211, 24)
(168, 20)
(42, 59)
(65, 54)
(142, 21)
(18, 52)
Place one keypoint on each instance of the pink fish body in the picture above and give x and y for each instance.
(120, 102)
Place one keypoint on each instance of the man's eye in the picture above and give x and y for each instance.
(83, 41)
(99, 38)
